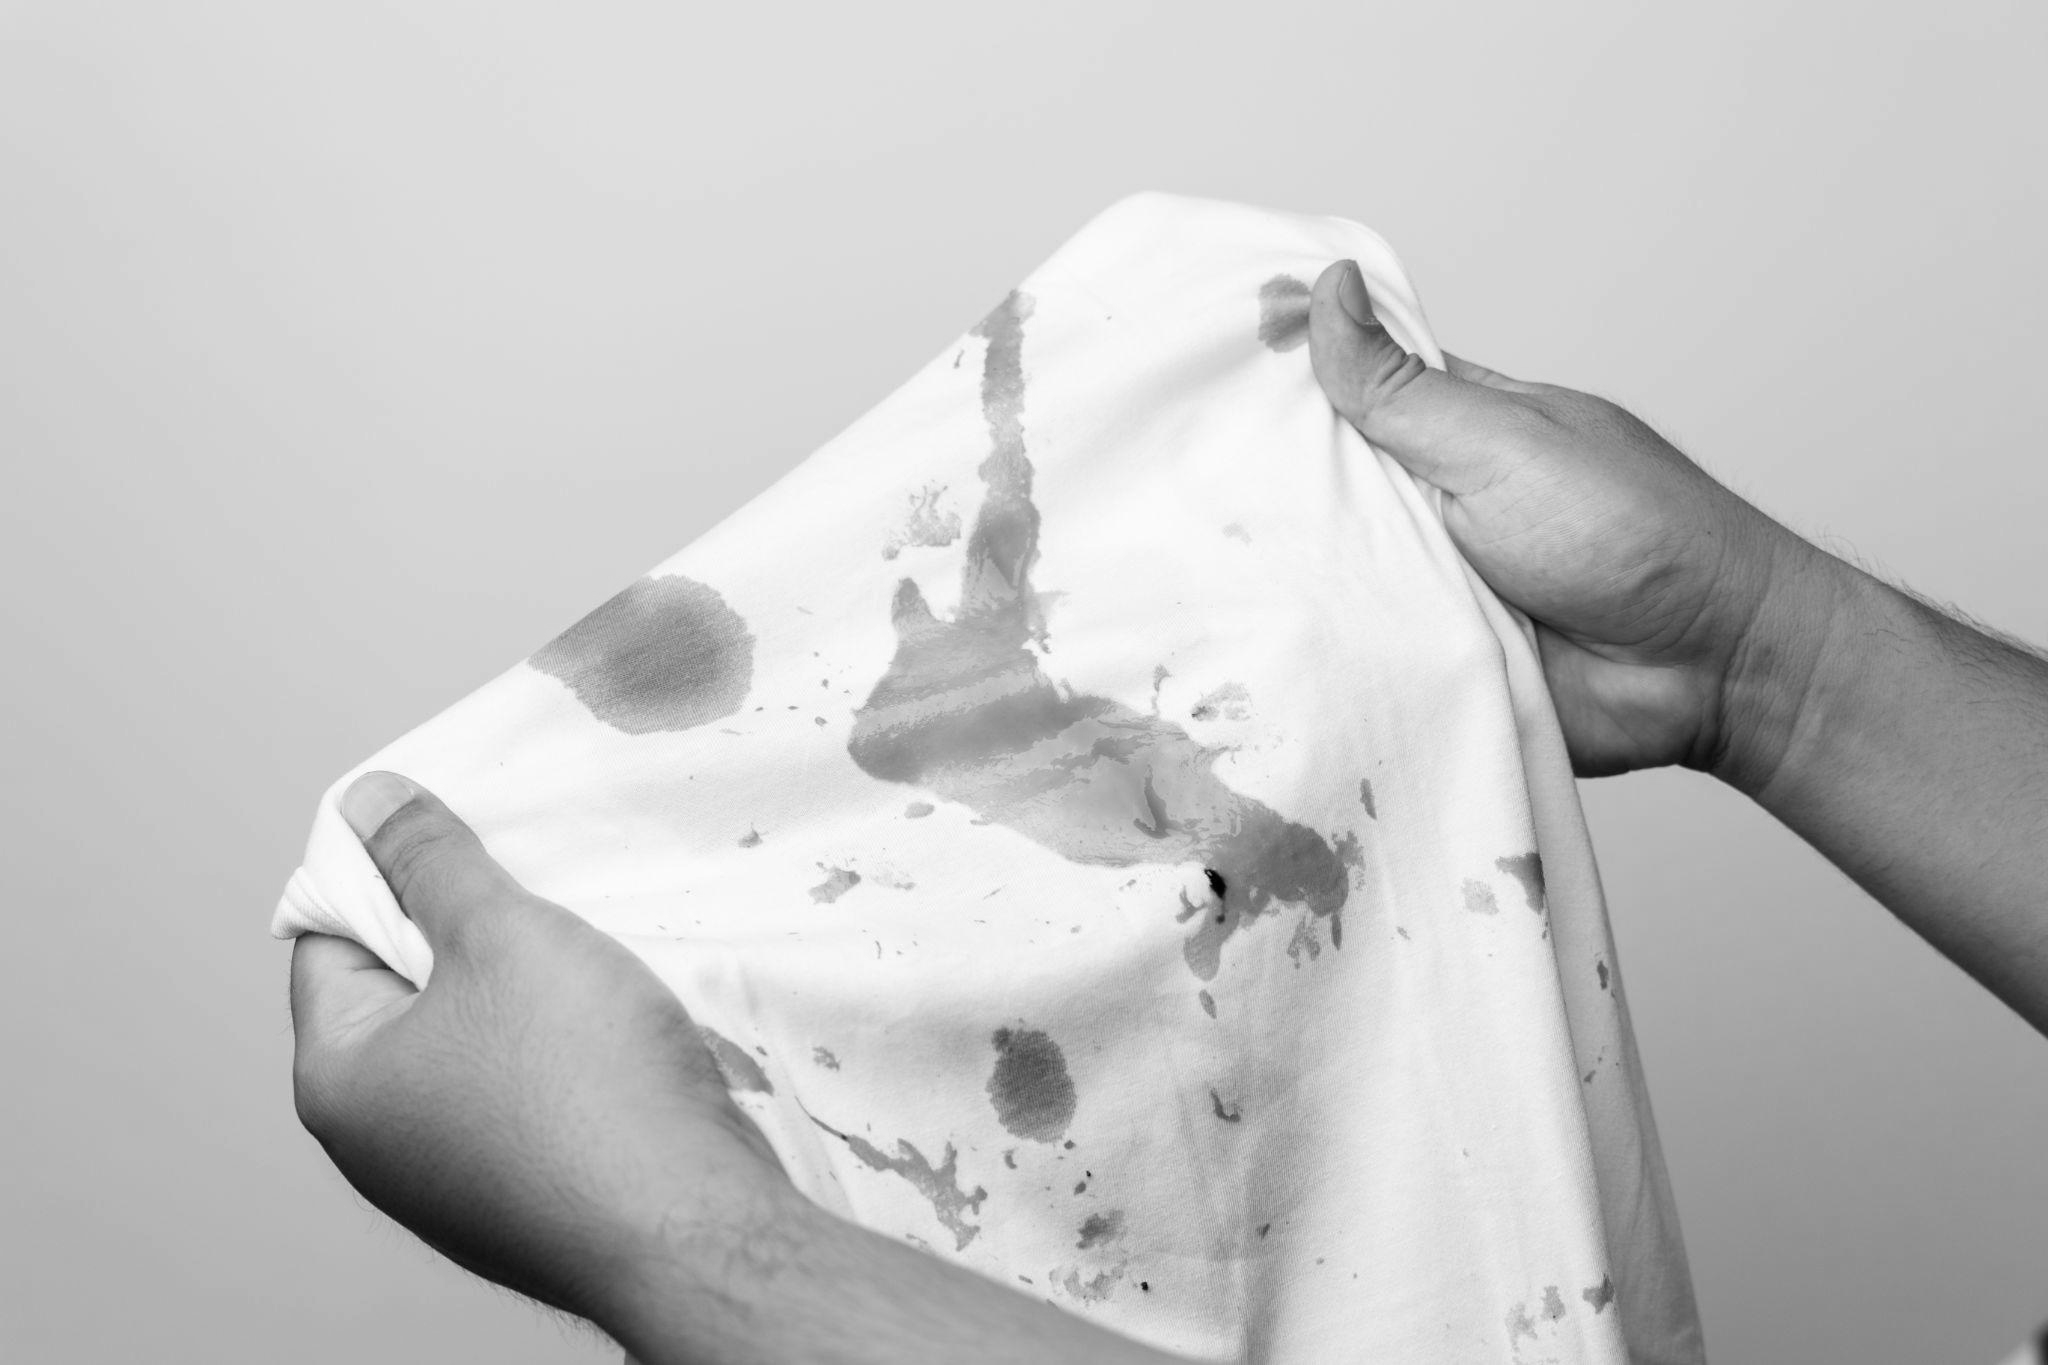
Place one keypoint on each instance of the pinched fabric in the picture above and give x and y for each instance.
(1111, 840)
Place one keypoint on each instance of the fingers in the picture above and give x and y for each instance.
(336, 983)
(339, 988)
(438, 869)
(1441, 427)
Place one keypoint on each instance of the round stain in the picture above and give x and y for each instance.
(1032, 1093)
(665, 654)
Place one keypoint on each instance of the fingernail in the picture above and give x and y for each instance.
(371, 798)
(1351, 293)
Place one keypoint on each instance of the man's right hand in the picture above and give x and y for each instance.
(1678, 624)
(1662, 600)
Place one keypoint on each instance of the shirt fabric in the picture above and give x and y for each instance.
(1110, 839)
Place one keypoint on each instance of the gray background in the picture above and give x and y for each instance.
(349, 351)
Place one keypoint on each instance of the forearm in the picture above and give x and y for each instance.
(806, 1288)
(1911, 750)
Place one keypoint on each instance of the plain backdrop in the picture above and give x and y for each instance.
(348, 351)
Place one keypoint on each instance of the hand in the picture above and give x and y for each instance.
(1662, 600)
(544, 1112)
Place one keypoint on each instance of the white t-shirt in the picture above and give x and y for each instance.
(1111, 840)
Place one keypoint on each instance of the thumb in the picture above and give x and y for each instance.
(1442, 429)
(434, 864)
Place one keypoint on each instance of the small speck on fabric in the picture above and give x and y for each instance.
(838, 881)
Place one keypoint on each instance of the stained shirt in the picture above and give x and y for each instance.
(1111, 840)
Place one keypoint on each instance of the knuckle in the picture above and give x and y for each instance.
(417, 858)
(313, 1094)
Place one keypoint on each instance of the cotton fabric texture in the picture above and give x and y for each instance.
(1111, 840)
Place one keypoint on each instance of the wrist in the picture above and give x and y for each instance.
(1790, 653)
(698, 1289)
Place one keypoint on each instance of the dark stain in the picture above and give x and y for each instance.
(1479, 898)
(1217, 886)
(1304, 941)
(664, 654)
(1010, 1157)
(1264, 1228)
(940, 1183)
(1526, 868)
(741, 1071)
(964, 710)
(1600, 966)
(1231, 1115)
(1093, 1290)
(1520, 1323)
(1100, 1227)
(838, 881)
(1231, 701)
(751, 839)
(1208, 1003)
(1032, 1093)
(1283, 312)
(1600, 1295)
(823, 1057)
(1365, 798)
(917, 810)
(1080, 1187)
(1553, 1305)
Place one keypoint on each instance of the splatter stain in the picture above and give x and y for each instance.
(1032, 1093)
(1093, 1290)
(1553, 1304)
(838, 881)
(1479, 898)
(751, 839)
(1520, 1323)
(1264, 1228)
(1208, 1003)
(1304, 941)
(1365, 798)
(1283, 312)
(823, 1057)
(1600, 1295)
(926, 524)
(1526, 868)
(1100, 1227)
(664, 654)
(917, 810)
(1232, 1114)
(1080, 1187)
(1230, 701)
(1236, 531)
(1600, 966)
(741, 1071)
(940, 1183)
(964, 710)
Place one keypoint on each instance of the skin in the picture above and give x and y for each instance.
(544, 1113)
